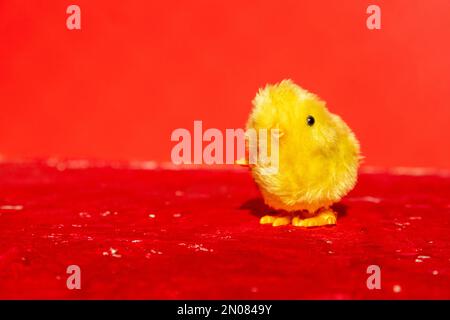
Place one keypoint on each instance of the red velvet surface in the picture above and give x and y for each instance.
(203, 240)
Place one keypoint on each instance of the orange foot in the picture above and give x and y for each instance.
(275, 221)
(323, 218)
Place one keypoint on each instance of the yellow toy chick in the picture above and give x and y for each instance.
(318, 156)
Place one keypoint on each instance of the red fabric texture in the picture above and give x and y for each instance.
(194, 234)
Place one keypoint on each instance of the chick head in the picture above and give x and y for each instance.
(318, 153)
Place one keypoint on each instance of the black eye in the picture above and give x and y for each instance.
(310, 120)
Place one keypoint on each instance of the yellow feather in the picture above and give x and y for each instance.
(318, 163)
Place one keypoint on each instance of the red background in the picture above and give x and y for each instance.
(139, 69)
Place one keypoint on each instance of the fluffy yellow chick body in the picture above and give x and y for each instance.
(318, 156)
